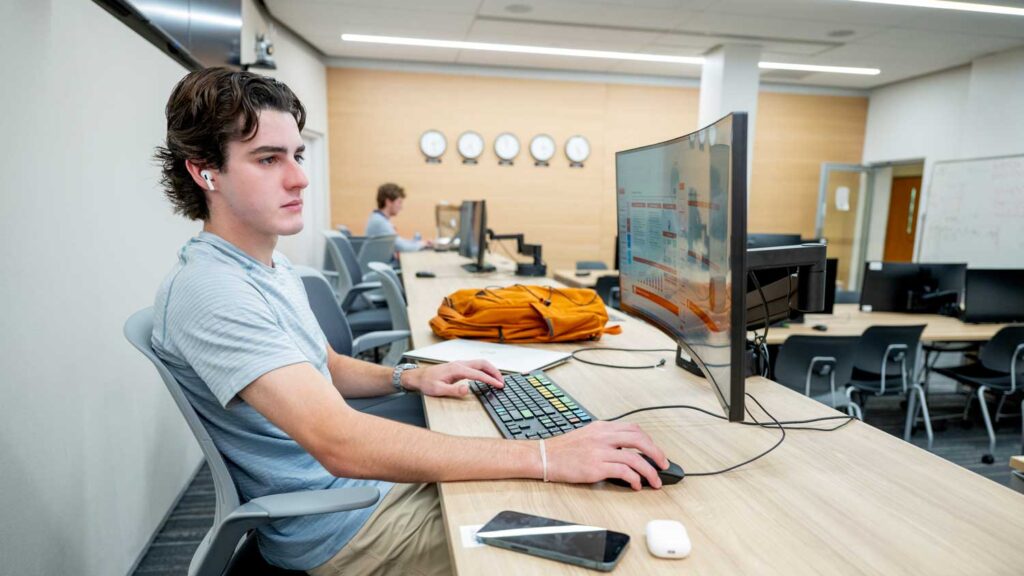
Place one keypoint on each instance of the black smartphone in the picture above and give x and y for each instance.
(586, 546)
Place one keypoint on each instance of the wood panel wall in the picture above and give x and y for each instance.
(376, 118)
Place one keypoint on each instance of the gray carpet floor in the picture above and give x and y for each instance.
(172, 549)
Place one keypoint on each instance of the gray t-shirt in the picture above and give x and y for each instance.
(221, 320)
(380, 225)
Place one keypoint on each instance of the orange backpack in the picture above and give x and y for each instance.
(523, 314)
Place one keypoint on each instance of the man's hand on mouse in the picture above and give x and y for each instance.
(592, 454)
(449, 379)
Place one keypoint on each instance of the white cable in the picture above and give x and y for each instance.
(544, 459)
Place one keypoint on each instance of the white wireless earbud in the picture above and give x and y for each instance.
(209, 179)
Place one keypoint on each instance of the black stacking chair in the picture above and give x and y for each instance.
(999, 366)
(591, 265)
(885, 364)
(813, 365)
(607, 288)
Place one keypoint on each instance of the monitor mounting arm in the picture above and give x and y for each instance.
(538, 268)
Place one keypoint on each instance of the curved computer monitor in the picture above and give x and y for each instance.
(473, 235)
(682, 220)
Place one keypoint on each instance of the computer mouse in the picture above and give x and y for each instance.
(667, 539)
(425, 274)
(672, 475)
(582, 273)
(820, 328)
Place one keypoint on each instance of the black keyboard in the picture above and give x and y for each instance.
(531, 406)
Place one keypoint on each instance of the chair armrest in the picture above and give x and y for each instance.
(331, 275)
(220, 542)
(309, 502)
(356, 291)
(372, 340)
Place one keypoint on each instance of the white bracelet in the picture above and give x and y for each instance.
(544, 459)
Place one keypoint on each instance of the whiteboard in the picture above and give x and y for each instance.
(975, 213)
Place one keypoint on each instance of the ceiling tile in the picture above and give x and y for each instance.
(558, 35)
(620, 14)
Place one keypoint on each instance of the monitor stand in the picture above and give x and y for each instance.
(476, 268)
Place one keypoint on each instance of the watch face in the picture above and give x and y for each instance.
(577, 149)
(433, 144)
(471, 145)
(506, 146)
(542, 147)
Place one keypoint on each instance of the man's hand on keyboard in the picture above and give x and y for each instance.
(592, 454)
(447, 379)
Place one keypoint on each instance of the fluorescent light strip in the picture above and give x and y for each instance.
(186, 15)
(519, 49)
(946, 5)
(640, 57)
(815, 68)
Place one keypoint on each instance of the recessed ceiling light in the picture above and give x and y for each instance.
(580, 53)
(518, 8)
(946, 5)
(816, 68)
(840, 33)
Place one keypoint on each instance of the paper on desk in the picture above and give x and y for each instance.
(468, 534)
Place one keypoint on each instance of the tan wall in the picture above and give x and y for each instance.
(376, 118)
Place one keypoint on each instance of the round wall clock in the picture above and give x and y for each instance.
(506, 146)
(542, 148)
(471, 146)
(577, 149)
(433, 145)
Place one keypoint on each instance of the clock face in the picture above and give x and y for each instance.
(471, 145)
(577, 149)
(506, 146)
(542, 147)
(433, 144)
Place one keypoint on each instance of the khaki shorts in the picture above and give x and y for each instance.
(404, 535)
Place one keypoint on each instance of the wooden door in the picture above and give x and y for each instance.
(902, 225)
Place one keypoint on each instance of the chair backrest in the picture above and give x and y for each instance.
(591, 265)
(847, 297)
(138, 329)
(877, 340)
(998, 353)
(392, 288)
(793, 365)
(343, 258)
(376, 249)
(327, 310)
(605, 288)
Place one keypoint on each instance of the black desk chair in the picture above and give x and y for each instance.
(229, 548)
(813, 365)
(997, 370)
(607, 287)
(886, 364)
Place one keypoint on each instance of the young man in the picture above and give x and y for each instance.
(233, 323)
(390, 198)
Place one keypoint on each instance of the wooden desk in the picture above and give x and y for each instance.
(1017, 463)
(854, 501)
(569, 277)
(848, 320)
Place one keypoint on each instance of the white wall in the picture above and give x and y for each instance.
(92, 450)
(969, 112)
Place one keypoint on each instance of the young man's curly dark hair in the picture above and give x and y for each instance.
(207, 109)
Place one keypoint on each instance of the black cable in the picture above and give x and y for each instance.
(660, 363)
(781, 426)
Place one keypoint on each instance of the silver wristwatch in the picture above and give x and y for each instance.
(396, 376)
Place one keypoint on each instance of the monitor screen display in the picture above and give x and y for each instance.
(681, 208)
(994, 296)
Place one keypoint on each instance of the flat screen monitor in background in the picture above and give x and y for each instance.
(473, 235)
(994, 296)
(913, 288)
(681, 208)
(771, 240)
